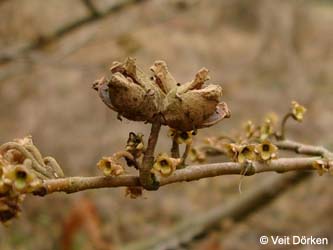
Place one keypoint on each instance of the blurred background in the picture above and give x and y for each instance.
(264, 53)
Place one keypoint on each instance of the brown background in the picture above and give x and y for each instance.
(263, 53)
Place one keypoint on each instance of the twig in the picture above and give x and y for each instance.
(300, 148)
(146, 177)
(198, 226)
(190, 173)
(175, 148)
(185, 154)
(282, 134)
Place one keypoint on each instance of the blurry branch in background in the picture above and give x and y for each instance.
(2, 1)
(91, 7)
(62, 31)
(222, 217)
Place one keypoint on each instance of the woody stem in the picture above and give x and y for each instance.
(175, 148)
(282, 134)
(147, 179)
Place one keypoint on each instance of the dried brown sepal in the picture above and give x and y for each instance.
(133, 192)
(323, 166)
(135, 144)
(10, 207)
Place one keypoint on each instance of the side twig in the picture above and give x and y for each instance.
(301, 148)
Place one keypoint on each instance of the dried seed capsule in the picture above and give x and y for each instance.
(137, 97)
(130, 92)
(192, 106)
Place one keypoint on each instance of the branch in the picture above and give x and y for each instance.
(146, 177)
(190, 173)
(236, 210)
(301, 148)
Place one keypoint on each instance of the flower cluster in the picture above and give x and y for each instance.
(264, 151)
(17, 176)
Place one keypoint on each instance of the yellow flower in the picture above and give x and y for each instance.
(322, 166)
(231, 150)
(249, 129)
(266, 150)
(197, 155)
(246, 152)
(297, 111)
(165, 165)
(20, 178)
(181, 137)
(266, 129)
(110, 166)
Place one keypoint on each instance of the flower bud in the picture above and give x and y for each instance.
(298, 111)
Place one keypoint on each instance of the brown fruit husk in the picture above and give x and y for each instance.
(138, 97)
